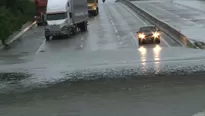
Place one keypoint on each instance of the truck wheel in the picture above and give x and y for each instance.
(47, 38)
(74, 30)
(83, 26)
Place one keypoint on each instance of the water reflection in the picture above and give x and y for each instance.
(145, 55)
(143, 58)
(157, 50)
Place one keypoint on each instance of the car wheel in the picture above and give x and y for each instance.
(141, 42)
(47, 38)
(157, 41)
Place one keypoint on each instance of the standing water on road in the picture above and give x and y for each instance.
(102, 71)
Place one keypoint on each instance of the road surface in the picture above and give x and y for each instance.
(188, 20)
(109, 41)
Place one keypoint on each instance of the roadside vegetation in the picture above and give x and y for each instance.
(13, 14)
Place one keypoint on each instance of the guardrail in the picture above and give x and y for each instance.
(169, 30)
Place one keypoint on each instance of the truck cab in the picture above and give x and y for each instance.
(93, 7)
(58, 19)
(65, 18)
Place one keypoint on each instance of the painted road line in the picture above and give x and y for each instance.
(41, 47)
(135, 39)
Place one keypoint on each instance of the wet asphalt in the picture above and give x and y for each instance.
(70, 84)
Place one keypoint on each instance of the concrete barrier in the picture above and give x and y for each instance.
(169, 30)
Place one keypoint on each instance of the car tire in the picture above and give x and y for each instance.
(141, 42)
(157, 41)
(47, 38)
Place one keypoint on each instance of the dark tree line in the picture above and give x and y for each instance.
(13, 14)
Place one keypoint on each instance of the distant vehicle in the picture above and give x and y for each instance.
(93, 7)
(40, 11)
(65, 17)
(148, 34)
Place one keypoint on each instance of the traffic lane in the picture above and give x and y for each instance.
(169, 12)
(170, 96)
(196, 4)
(186, 13)
(127, 23)
(27, 44)
(100, 36)
(114, 28)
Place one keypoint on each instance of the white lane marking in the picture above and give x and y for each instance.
(81, 45)
(199, 114)
(110, 17)
(115, 28)
(133, 36)
(133, 14)
(40, 48)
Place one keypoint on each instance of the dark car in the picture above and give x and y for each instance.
(148, 34)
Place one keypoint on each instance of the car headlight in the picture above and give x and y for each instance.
(141, 35)
(156, 34)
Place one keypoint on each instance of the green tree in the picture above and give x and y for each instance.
(13, 14)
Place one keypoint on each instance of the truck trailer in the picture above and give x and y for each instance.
(40, 11)
(65, 17)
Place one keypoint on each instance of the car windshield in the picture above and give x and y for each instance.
(147, 29)
(56, 16)
(80, 58)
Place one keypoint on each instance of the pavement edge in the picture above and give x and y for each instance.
(16, 35)
(169, 30)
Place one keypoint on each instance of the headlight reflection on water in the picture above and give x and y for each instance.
(143, 58)
(157, 50)
(156, 56)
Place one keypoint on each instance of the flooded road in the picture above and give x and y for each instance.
(102, 72)
(145, 96)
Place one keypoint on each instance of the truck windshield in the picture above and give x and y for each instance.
(57, 16)
(91, 1)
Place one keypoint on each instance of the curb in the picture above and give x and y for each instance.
(169, 30)
(16, 35)
(1, 45)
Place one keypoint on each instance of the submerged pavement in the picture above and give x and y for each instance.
(101, 72)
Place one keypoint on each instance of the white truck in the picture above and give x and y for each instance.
(65, 17)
